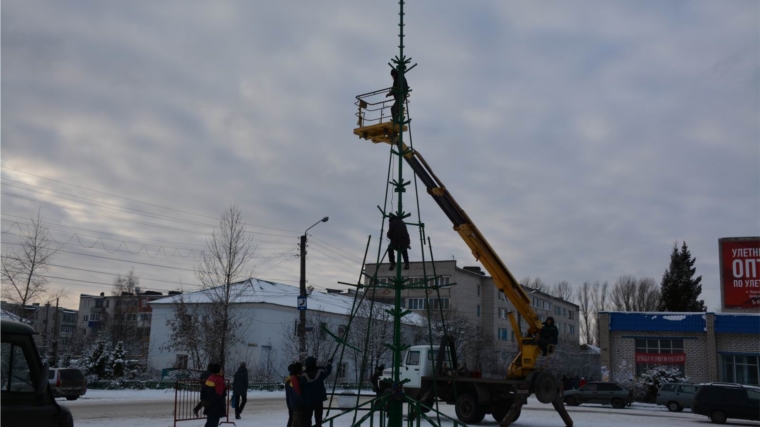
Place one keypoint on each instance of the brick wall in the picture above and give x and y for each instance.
(738, 343)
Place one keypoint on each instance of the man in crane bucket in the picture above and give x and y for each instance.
(396, 92)
(548, 335)
(399, 236)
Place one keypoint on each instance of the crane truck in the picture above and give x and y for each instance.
(473, 397)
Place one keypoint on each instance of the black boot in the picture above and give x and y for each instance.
(406, 266)
(392, 267)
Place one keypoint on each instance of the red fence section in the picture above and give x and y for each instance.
(187, 397)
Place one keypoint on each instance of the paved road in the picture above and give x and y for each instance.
(157, 408)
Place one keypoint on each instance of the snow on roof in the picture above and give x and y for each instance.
(257, 291)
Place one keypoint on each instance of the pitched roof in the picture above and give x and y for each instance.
(256, 291)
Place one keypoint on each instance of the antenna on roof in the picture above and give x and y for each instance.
(309, 289)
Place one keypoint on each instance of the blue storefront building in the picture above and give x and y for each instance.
(704, 346)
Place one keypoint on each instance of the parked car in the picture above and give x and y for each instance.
(24, 389)
(600, 392)
(676, 396)
(67, 382)
(720, 401)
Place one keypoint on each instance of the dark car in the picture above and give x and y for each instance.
(67, 382)
(24, 390)
(720, 401)
(600, 392)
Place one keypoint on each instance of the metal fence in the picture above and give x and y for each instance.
(187, 397)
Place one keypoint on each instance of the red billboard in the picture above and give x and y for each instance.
(740, 272)
(661, 359)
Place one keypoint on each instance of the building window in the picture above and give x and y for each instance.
(741, 368)
(181, 362)
(570, 314)
(502, 313)
(98, 303)
(144, 303)
(478, 311)
(84, 318)
(512, 336)
(415, 303)
(342, 370)
(443, 281)
(94, 317)
(658, 346)
(502, 335)
(442, 304)
(67, 329)
(478, 289)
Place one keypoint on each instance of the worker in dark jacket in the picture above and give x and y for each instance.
(240, 388)
(375, 380)
(399, 237)
(204, 376)
(399, 86)
(293, 395)
(548, 335)
(214, 394)
(313, 388)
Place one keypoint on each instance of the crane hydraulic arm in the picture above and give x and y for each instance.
(524, 362)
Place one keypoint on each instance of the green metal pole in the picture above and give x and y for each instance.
(396, 407)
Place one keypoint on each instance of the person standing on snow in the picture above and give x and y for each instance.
(399, 237)
(293, 396)
(204, 376)
(313, 388)
(375, 380)
(548, 335)
(214, 394)
(240, 388)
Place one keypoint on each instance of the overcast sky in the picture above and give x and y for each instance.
(584, 138)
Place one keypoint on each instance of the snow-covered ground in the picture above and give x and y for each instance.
(151, 408)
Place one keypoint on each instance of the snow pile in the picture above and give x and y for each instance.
(677, 318)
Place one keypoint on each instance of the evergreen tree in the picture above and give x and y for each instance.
(680, 289)
(98, 362)
(118, 360)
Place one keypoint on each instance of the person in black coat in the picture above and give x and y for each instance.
(399, 237)
(375, 380)
(397, 92)
(240, 388)
(548, 335)
(313, 388)
(204, 376)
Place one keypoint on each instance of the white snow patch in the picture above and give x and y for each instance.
(677, 318)
(654, 317)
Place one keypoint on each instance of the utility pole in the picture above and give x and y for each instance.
(302, 310)
(45, 330)
(56, 334)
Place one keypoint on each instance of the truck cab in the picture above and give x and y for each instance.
(27, 400)
(419, 361)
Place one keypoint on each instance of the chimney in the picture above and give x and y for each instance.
(474, 269)
(102, 294)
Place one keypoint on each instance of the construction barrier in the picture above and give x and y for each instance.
(187, 397)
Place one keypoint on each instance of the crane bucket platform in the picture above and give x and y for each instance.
(375, 116)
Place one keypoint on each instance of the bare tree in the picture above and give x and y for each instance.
(631, 294)
(563, 290)
(536, 284)
(22, 267)
(122, 324)
(371, 329)
(586, 315)
(225, 262)
(186, 333)
(318, 343)
(599, 295)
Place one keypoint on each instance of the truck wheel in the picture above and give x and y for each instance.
(468, 411)
(618, 403)
(545, 387)
(72, 397)
(718, 417)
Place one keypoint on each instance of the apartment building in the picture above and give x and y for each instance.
(472, 293)
(130, 315)
(55, 326)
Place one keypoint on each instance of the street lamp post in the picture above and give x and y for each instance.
(302, 312)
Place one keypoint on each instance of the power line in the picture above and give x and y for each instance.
(101, 232)
(112, 259)
(118, 274)
(138, 201)
(332, 246)
(352, 259)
